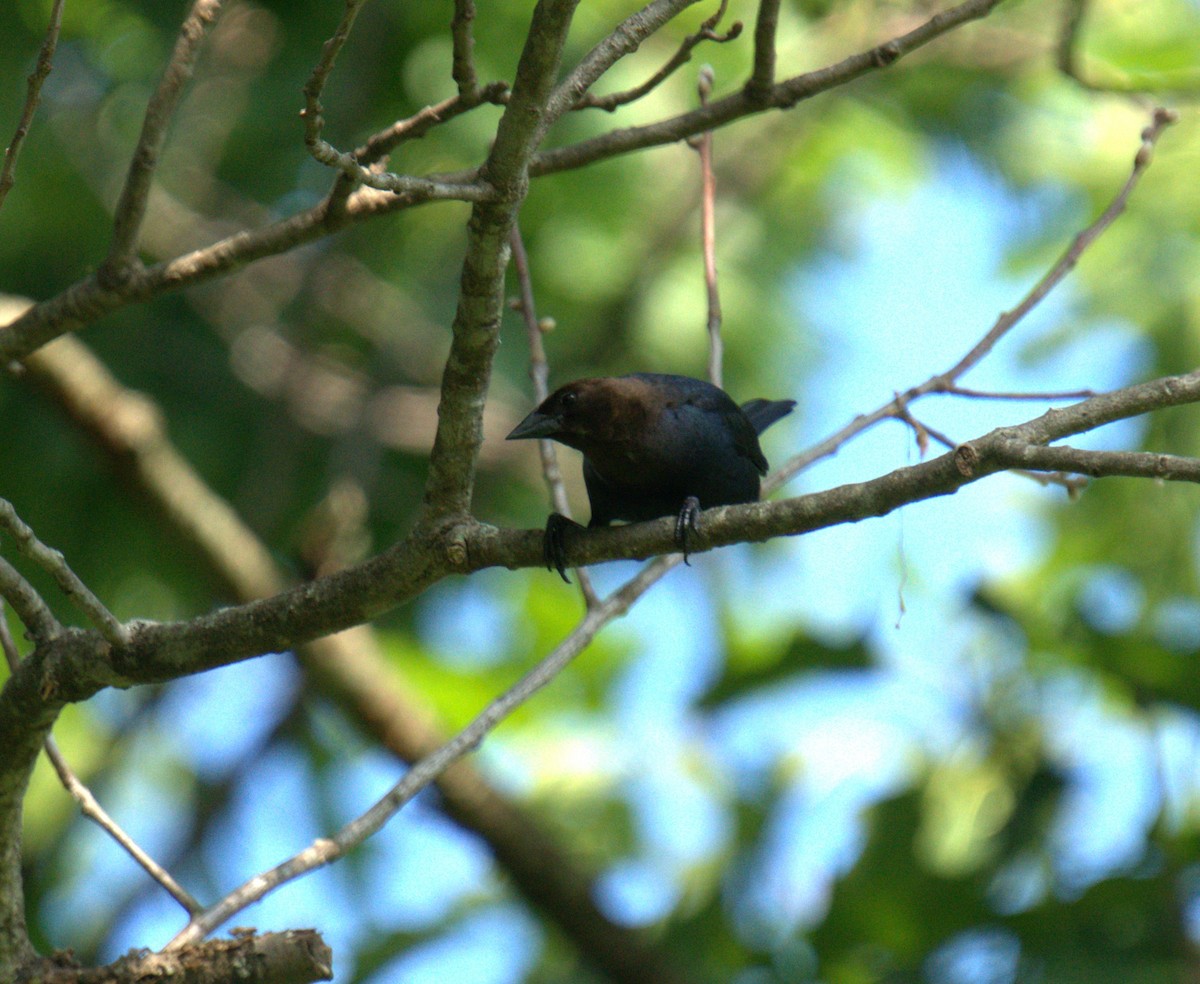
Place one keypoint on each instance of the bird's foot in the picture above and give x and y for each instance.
(686, 523)
(554, 543)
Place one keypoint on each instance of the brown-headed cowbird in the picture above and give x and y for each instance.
(653, 445)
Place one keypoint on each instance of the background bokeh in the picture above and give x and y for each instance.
(957, 745)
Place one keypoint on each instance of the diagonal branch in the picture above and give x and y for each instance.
(349, 667)
(625, 39)
(707, 32)
(783, 95)
(68, 581)
(328, 849)
(947, 382)
(33, 612)
(90, 806)
(131, 208)
(33, 96)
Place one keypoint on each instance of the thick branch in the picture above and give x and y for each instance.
(481, 296)
(762, 78)
(297, 956)
(488, 546)
(348, 666)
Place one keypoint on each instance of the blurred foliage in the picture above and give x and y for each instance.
(321, 367)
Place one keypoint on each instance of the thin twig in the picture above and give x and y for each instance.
(973, 394)
(131, 209)
(90, 806)
(682, 56)
(380, 144)
(1161, 119)
(708, 238)
(327, 849)
(762, 77)
(623, 40)
(40, 623)
(539, 372)
(53, 562)
(947, 382)
(463, 65)
(33, 95)
(738, 105)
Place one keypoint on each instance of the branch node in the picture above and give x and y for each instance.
(966, 459)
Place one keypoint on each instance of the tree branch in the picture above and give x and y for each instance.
(463, 40)
(762, 78)
(68, 581)
(131, 209)
(783, 95)
(481, 296)
(539, 373)
(681, 57)
(626, 38)
(348, 666)
(328, 849)
(33, 96)
(297, 956)
(90, 806)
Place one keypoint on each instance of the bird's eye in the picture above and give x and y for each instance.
(569, 399)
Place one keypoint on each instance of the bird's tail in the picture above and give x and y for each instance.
(763, 413)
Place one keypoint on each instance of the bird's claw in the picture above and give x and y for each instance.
(686, 523)
(554, 543)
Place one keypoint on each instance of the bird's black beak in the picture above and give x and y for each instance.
(537, 424)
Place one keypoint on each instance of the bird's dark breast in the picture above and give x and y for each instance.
(680, 457)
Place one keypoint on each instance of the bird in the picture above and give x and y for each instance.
(653, 445)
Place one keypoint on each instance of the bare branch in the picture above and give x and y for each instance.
(1101, 464)
(481, 297)
(348, 666)
(416, 126)
(626, 38)
(784, 95)
(88, 804)
(681, 57)
(297, 956)
(708, 239)
(33, 96)
(539, 373)
(327, 849)
(89, 298)
(947, 382)
(131, 209)
(1162, 118)
(53, 562)
(34, 613)
(973, 394)
(463, 67)
(762, 78)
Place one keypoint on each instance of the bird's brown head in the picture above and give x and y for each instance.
(585, 412)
